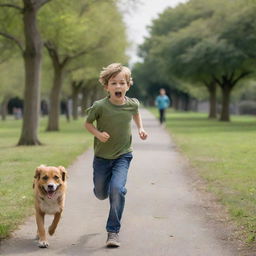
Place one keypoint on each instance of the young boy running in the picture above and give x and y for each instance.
(112, 143)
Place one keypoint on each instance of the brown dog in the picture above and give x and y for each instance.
(49, 187)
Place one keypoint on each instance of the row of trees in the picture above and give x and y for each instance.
(201, 43)
(76, 40)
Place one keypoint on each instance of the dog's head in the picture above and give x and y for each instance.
(50, 179)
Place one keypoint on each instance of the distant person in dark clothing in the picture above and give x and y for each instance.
(44, 108)
(162, 102)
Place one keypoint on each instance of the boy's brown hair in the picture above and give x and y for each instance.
(112, 70)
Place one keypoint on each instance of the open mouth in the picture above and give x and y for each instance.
(118, 94)
(50, 194)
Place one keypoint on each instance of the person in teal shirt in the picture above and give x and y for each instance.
(112, 143)
(162, 102)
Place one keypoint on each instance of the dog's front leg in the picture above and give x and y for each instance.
(55, 222)
(42, 243)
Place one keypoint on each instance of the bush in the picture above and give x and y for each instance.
(247, 107)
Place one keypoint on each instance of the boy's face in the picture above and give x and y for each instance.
(162, 91)
(117, 87)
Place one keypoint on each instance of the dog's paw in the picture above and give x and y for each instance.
(51, 230)
(43, 244)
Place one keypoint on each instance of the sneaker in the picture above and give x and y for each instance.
(113, 240)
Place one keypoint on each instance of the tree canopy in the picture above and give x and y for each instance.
(80, 38)
(207, 45)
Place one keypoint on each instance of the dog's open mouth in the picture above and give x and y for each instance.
(118, 94)
(50, 194)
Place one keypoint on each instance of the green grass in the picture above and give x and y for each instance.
(17, 165)
(224, 154)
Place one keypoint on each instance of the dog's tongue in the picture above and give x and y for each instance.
(50, 194)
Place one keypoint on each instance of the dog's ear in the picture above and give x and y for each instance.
(38, 171)
(63, 172)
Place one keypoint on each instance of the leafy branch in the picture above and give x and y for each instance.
(14, 39)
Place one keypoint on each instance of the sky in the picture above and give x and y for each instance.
(140, 17)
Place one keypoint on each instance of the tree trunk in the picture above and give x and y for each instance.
(76, 86)
(75, 106)
(186, 102)
(32, 59)
(94, 95)
(54, 113)
(212, 88)
(175, 99)
(84, 102)
(4, 109)
(226, 90)
(227, 83)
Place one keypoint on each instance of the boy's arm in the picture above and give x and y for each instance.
(102, 136)
(137, 119)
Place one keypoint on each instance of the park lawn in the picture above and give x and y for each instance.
(17, 165)
(224, 154)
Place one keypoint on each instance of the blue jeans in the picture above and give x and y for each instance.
(109, 177)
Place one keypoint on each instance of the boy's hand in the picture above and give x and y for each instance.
(103, 136)
(143, 134)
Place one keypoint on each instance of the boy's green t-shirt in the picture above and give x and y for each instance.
(116, 121)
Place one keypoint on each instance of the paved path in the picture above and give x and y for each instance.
(164, 214)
